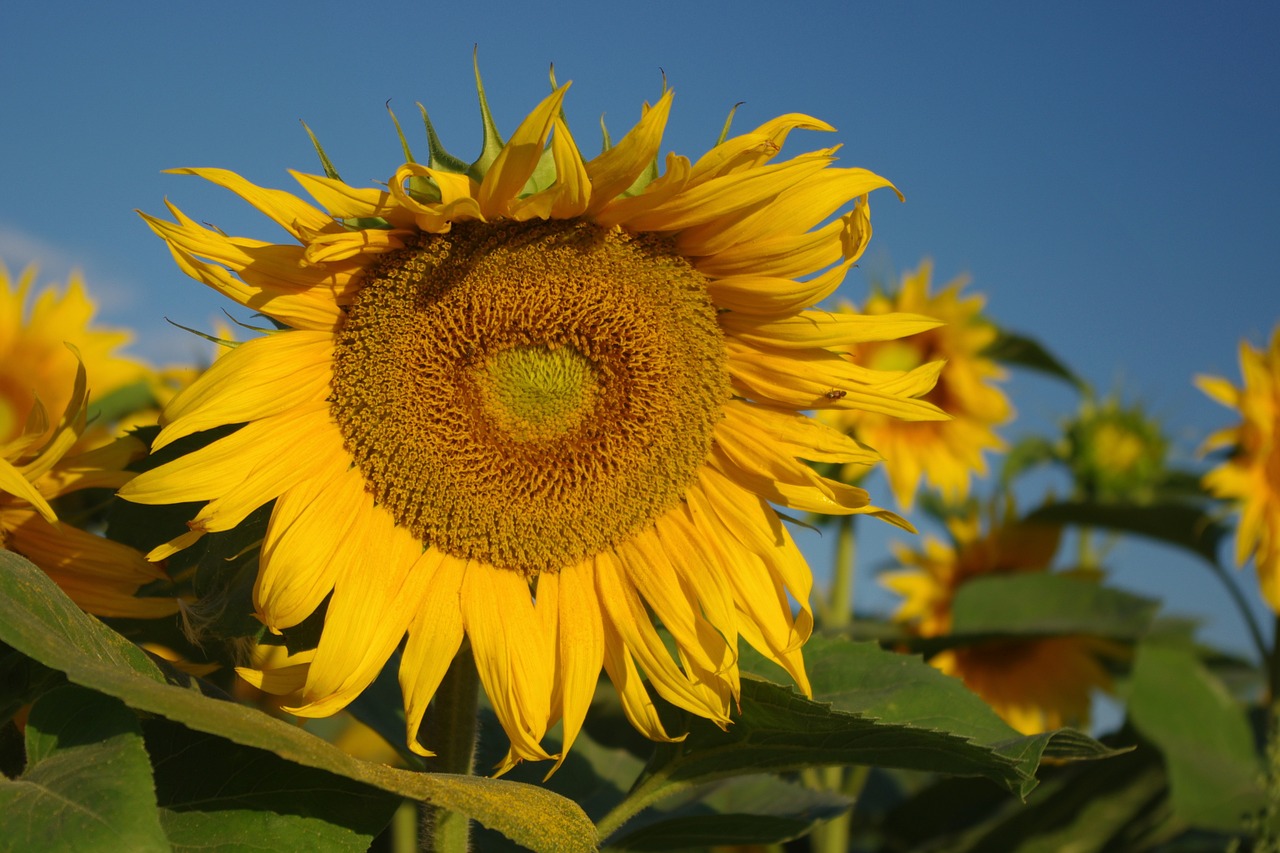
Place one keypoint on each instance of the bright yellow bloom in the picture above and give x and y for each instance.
(946, 453)
(537, 404)
(99, 575)
(1035, 685)
(35, 360)
(42, 459)
(1252, 475)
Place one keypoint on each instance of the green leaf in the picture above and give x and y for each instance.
(1111, 805)
(1181, 524)
(742, 810)
(1020, 351)
(22, 681)
(1214, 770)
(1048, 604)
(39, 620)
(871, 707)
(216, 794)
(87, 784)
(121, 402)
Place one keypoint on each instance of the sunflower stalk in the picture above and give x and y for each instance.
(452, 721)
(840, 605)
(833, 836)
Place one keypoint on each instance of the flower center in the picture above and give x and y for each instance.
(529, 394)
(535, 392)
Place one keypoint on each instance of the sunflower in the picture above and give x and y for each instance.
(1035, 684)
(35, 360)
(536, 402)
(945, 453)
(102, 577)
(1251, 475)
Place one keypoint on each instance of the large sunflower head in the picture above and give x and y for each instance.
(1035, 685)
(536, 401)
(1251, 475)
(945, 453)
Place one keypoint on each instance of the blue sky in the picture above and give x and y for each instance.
(1106, 173)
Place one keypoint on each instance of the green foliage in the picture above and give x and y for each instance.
(87, 784)
(38, 620)
(1022, 351)
(1181, 524)
(1207, 744)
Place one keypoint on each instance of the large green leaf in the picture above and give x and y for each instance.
(1181, 524)
(871, 707)
(1214, 770)
(87, 784)
(1036, 604)
(1048, 604)
(38, 620)
(214, 794)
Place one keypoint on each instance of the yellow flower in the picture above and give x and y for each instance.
(100, 576)
(536, 403)
(34, 359)
(1252, 475)
(1035, 684)
(946, 453)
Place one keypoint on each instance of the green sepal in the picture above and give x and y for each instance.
(325, 162)
(439, 157)
(493, 141)
(404, 143)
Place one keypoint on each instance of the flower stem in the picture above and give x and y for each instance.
(451, 729)
(1237, 597)
(840, 606)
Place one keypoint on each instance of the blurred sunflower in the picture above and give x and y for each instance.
(945, 453)
(42, 459)
(1251, 476)
(535, 402)
(35, 360)
(102, 577)
(1034, 684)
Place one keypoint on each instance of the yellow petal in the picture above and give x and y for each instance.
(626, 613)
(769, 296)
(308, 524)
(581, 646)
(291, 212)
(346, 202)
(259, 378)
(519, 157)
(824, 328)
(13, 482)
(636, 703)
(512, 654)
(435, 635)
(615, 170)
(375, 595)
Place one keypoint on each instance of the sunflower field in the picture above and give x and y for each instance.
(477, 528)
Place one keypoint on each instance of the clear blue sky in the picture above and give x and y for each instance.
(1107, 173)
